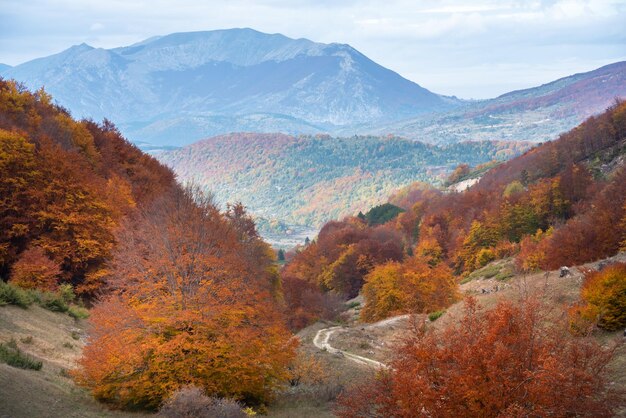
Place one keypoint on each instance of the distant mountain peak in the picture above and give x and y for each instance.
(176, 88)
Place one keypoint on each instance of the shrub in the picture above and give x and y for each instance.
(433, 316)
(484, 256)
(78, 312)
(53, 302)
(413, 286)
(508, 361)
(13, 356)
(34, 270)
(58, 301)
(13, 295)
(604, 295)
(191, 402)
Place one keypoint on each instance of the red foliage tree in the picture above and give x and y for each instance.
(504, 362)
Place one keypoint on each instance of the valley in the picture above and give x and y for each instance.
(233, 222)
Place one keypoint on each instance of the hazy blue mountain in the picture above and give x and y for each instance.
(181, 87)
(535, 114)
(4, 67)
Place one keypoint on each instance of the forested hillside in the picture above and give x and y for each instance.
(561, 203)
(180, 293)
(66, 186)
(309, 180)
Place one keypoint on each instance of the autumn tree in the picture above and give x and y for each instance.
(459, 172)
(604, 298)
(414, 286)
(508, 361)
(34, 270)
(66, 185)
(18, 204)
(186, 309)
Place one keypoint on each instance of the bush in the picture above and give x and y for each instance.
(52, 302)
(59, 301)
(13, 295)
(604, 295)
(34, 270)
(484, 256)
(78, 312)
(191, 402)
(13, 356)
(433, 316)
(507, 361)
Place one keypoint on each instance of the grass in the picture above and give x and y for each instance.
(353, 304)
(13, 356)
(14, 295)
(433, 316)
(27, 340)
(78, 312)
(498, 270)
(59, 301)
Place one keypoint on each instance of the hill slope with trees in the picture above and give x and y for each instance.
(309, 180)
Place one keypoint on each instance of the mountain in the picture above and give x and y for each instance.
(177, 88)
(4, 67)
(537, 114)
(308, 180)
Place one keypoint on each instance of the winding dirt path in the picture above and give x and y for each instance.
(322, 341)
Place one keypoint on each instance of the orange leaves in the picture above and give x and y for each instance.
(604, 297)
(509, 361)
(34, 270)
(413, 286)
(65, 185)
(199, 315)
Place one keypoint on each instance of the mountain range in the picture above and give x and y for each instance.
(176, 89)
(181, 87)
(537, 114)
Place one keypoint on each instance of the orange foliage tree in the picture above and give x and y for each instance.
(65, 186)
(604, 299)
(34, 270)
(504, 362)
(413, 286)
(186, 309)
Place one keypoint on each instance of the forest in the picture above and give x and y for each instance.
(559, 204)
(168, 278)
(308, 180)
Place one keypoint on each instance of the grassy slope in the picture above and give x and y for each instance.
(57, 340)
(376, 340)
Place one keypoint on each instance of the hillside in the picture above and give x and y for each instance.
(174, 89)
(379, 341)
(558, 204)
(57, 340)
(537, 114)
(309, 180)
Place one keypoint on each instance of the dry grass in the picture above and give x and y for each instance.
(48, 392)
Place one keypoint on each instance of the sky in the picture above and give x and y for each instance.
(470, 49)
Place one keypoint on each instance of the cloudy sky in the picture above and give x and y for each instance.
(472, 49)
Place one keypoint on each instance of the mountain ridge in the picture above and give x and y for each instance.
(180, 87)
